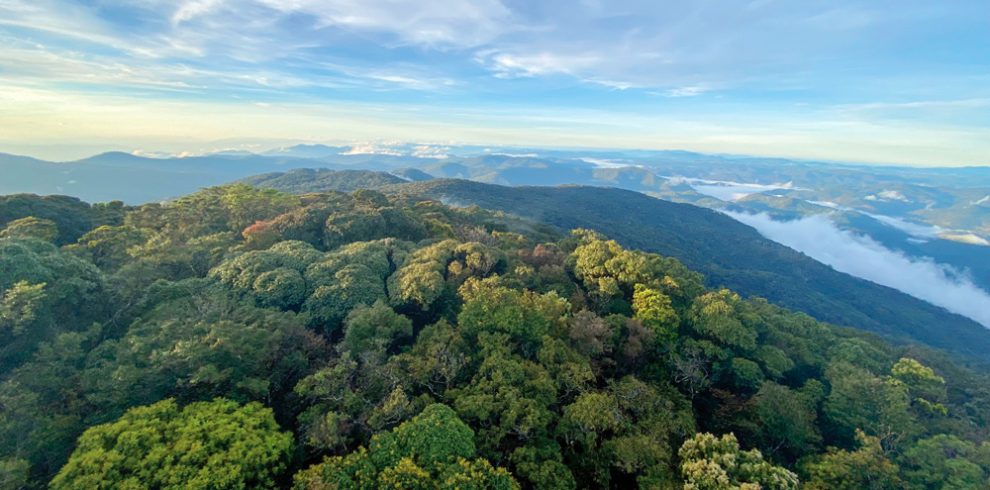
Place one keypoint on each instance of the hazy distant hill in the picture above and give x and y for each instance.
(135, 179)
(132, 179)
(953, 198)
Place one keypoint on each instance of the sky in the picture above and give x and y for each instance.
(884, 81)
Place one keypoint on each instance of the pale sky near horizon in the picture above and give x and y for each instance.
(882, 81)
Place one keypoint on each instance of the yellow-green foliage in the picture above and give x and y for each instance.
(206, 445)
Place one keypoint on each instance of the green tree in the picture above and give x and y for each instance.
(712, 463)
(14, 473)
(40, 415)
(656, 311)
(204, 445)
(508, 399)
(31, 227)
(353, 226)
(610, 272)
(44, 291)
(198, 344)
(434, 450)
(351, 275)
(19, 306)
(435, 272)
(273, 277)
(591, 416)
(715, 315)
(438, 359)
(246, 205)
(944, 462)
(75, 288)
(866, 468)
(746, 374)
(859, 400)
(373, 329)
(72, 216)
(927, 389)
(108, 246)
(786, 421)
(523, 315)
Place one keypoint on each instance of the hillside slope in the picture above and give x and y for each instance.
(316, 180)
(728, 253)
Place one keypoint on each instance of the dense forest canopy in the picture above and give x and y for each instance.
(248, 338)
(729, 253)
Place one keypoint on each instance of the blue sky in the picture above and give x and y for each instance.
(876, 81)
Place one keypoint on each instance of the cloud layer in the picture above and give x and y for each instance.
(819, 238)
(891, 80)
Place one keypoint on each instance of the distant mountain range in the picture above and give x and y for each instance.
(957, 200)
(937, 220)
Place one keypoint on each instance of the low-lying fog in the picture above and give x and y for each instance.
(819, 238)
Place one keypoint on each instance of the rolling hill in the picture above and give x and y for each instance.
(727, 252)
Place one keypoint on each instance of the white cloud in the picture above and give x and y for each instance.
(607, 163)
(194, 8)
(513, 155)
(893, 196)
(373, 149)
(974, 103)
(424, 22)
(964, 237)
(727, 190)
(36, 62)
(428, 151)
(507, 65)
(917, 230)
(818, 237)
(827, 204)
(690, 91)
(410, 82)
(140, 152)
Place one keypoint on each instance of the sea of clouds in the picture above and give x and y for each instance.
(819, 238)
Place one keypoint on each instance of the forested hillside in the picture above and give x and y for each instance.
(728, 253)
(304, 180)
(248, 338)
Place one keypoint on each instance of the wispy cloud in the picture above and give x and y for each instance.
(506, 65)
(435, 23)
(690, 91)
(191, 9)
(718, 75)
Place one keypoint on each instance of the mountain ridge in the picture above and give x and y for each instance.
(728, 253)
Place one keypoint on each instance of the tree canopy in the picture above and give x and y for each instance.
(245, 338)
(204, 445)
